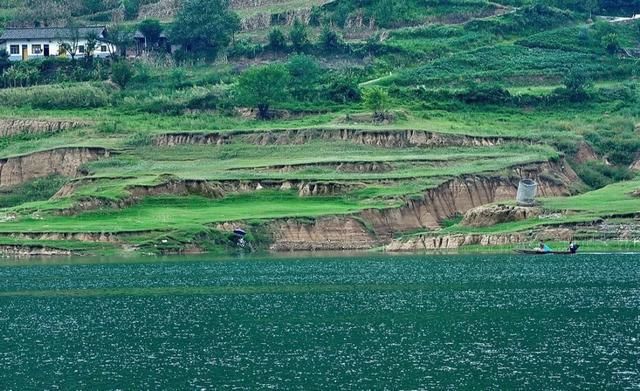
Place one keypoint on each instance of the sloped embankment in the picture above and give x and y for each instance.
(14, 126)
(63, 161)
(456, 196)
(379, 138)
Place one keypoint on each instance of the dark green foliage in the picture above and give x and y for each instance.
(618, 142)
(151, 29)
(203, 27)
(245, 48)
(611, 43)
(597, 174)
(575, 86)
(37, 190)
(4, 60)
(277, 40)
(262, 87)
(121, 73)
(330, 42)
(377, 100)
(131, 9)
(299, 36)
(485, 94)
(305, 74)
(344, 88)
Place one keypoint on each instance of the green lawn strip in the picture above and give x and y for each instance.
(70, 245)
(162, 213)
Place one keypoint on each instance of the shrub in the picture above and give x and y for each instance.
(121, 73)
(611, 43)
(330, 42)
(344, 88)
(485, 94)
(598, 175)
(305, 74)
(299, 36)
(376, 99)
(277, 40)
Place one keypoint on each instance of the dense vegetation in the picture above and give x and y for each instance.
(551, 77)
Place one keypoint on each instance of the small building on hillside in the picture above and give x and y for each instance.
(28, 43)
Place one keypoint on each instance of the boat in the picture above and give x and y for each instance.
(536, 252)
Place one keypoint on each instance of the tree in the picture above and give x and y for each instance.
(262, 87)
(299, 36)
(305, 73)
(121, 73)
(120, 38)
(92, 43)
(330, 42)
(4, 60)
(204, 27)
(70, 43)
(611, 43)
(576, 84)
(377, 100)
(151, 29)
(277, 40)
(131, 9)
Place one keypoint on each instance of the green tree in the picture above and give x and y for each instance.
(4, 60)
(121, 38)
(305, 74)
(299, 36)
(151, 29)
(277, 40)
(262, 87)
(131, 9)
(330, 42)
(203, 27)
(576, 84)
(121, 73)
(611, 43)
(377, 100)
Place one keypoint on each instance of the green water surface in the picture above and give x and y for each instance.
(369, 322)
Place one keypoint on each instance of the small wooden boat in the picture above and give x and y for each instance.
(536, 252)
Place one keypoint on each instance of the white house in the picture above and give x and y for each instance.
(29, 43)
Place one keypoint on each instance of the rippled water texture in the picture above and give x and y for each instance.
(420, 322)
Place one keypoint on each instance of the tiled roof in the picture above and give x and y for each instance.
(48, 33)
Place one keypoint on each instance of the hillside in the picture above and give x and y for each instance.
(387, 124)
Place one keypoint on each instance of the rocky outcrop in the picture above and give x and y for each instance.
(94, 237)
(330, 233)
(459, 195)
(453, 242)
(62, 161)
(485, 216)
(380, 138)
(31, 251)
(14, 126)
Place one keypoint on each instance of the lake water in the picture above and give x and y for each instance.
(368, 322)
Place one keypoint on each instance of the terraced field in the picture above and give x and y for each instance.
(478, 97)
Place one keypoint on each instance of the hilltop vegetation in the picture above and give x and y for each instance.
(356, 109)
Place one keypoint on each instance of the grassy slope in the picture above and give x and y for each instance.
(432, 58)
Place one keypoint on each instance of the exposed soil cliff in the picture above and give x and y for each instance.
(14, 126)
(485, 216)
(31, 251)
(459, 195)
(331, 233)
(454, 197)
(63, 161)
(381, 138)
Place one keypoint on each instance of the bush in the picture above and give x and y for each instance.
(485, 94)
(598, 175)
(344, 88)
(121, 73)
(299, 36)
(277, 40)
(330, 42)
(376, 99)
(55, 97)
(37, 190)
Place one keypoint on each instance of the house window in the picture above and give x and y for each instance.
(36, 49)
(14, 49)
(103, 48)
(81, 49)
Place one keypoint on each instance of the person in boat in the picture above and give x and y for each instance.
(573, 248)
(543, 248)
